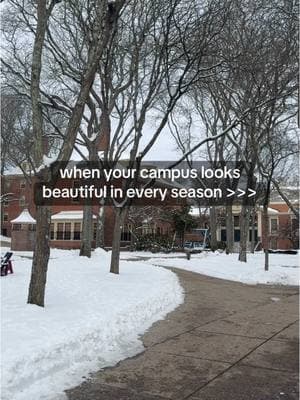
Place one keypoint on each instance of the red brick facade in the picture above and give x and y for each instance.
(283, 228)
(283, 234)
(23, 240)
(21, 197)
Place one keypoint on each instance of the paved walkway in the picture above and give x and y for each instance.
(228, 341)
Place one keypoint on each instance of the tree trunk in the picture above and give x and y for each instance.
(183, 235)
(36, 293)
(229, 230)
(87, 232)
(105, 26)
(36, 70)
(115, 251)
(213, 228)
(265, 230)
(244, 231)
(100, 227)
(293, 208)
(37, 285)
(253, 230)
(265, 224)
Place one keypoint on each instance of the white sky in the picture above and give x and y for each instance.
(164, 149)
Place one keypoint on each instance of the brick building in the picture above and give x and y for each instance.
(66, 220)
(23, 232)
(283, 226)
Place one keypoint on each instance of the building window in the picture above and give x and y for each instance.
(236, 220)
(31, 227)
(255, 235)
(5, 217)
(60, 231)
(237, 235)
(5, 203)
(273, 225)
(77, 231)
(51, 231)
(223, 235)
(16, 227)
(22, 184)
(67, 231)
(126, 234)
(63, 231)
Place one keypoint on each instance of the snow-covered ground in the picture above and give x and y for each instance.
(92, 319)
(125, 255)
(5, 239)
(284, 268)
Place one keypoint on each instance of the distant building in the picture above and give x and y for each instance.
(283, 224)
(66, 220)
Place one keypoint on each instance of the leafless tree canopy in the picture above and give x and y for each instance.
(219, 74)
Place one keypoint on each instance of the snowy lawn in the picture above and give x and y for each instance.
(5, 240)
(284, 268)
(124, 255)
(92, 319)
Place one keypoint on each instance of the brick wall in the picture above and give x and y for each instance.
(23, 240)
(67, 244)
(281, 239)
(21, 197)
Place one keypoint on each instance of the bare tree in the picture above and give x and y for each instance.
(250, 95)
(103, 20)
(170, 60)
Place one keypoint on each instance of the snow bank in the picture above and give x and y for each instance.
(92, 319)
(5, 239)
(284, 269)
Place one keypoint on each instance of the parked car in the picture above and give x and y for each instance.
(194, 247)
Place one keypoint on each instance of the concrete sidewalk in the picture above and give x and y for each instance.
(228, 341)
